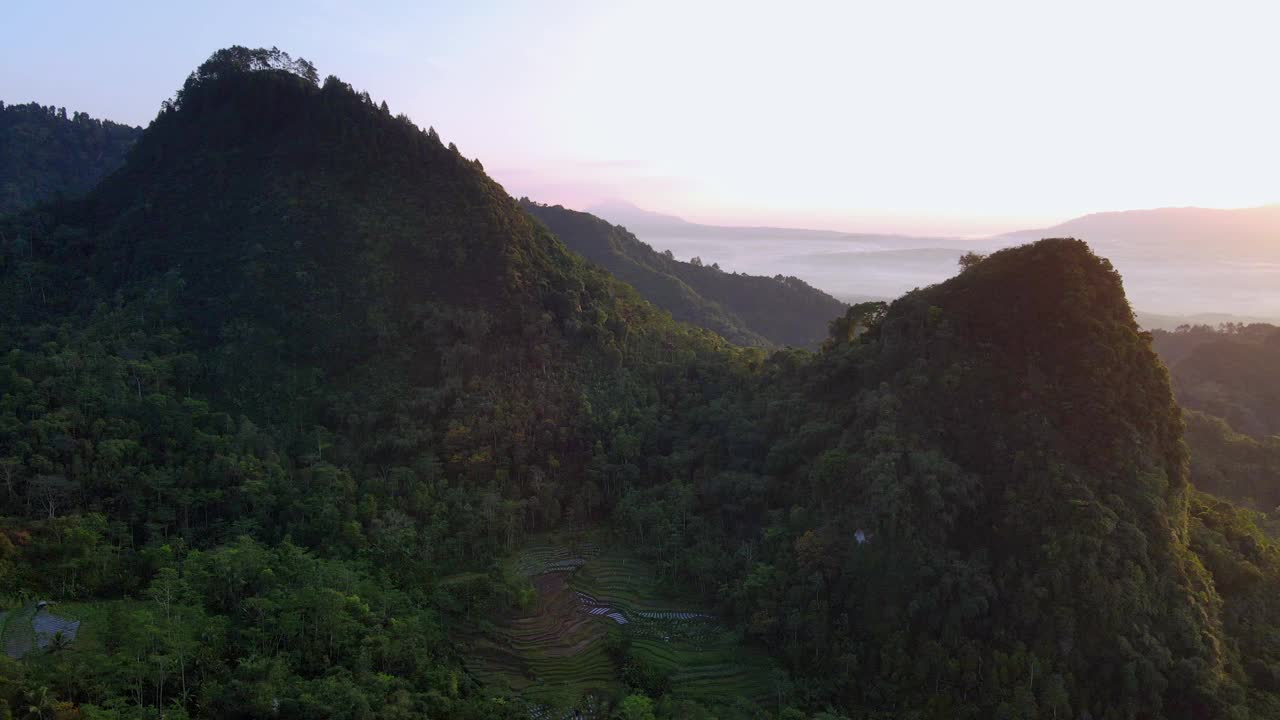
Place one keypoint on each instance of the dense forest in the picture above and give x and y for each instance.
(745, 309)
(45, 154)
(1228, 371)
(1227, 379)
(284, 395)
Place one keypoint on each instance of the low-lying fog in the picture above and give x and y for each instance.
(1186, 262)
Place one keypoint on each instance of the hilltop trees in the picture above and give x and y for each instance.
(239, 59)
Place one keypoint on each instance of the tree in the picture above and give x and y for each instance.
(9, 469)
(970, 259)
(39, 704)
(52, 492)
(855, 321)
(635, 707)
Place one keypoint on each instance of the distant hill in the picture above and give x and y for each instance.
(1156, 321)
(843, 264)
(745, 309)
(1188, 262)
(643, 221)
(1250, 233)
(44, 153)
(624, 213)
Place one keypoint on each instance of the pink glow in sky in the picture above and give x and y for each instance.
(937, 117)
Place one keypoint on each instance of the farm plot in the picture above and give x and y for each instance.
(33, 627)
(557, 651)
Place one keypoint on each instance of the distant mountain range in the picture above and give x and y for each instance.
(1179, 264)
(1247, 233)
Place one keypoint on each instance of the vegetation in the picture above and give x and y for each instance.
(745, 309)
(291, 402)
(1237, 467)
(598, 625)
(45, 155)
(298, 352)
(1228, 372)
(967, 511)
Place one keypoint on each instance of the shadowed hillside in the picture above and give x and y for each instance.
(44, 154)
(745, 309)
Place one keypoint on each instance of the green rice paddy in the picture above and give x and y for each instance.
(591, 598)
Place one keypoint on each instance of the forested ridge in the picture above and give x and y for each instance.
(1226, 379)
(45, 154)
(1228, 371)
(746, 309)
(285, 395)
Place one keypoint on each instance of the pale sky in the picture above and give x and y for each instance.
(923, 117)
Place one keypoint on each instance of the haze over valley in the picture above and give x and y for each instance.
(1185, 264)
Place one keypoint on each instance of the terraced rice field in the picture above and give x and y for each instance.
(555, 652)
(31, 627)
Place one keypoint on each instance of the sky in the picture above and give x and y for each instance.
(940, 117)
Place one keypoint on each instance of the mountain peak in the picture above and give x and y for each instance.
(627, 214)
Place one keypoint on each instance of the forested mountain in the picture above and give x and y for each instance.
(285, 395)
(1021, 488)
(746, 309)
(290, 366)
(44, 154)
(1242, 233)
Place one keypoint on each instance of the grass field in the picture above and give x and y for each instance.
(590, 597)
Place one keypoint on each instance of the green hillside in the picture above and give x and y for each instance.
(745, 309)
(1229, 372)
(972, 497)
(44, 154)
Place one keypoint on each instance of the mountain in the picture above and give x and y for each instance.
(647, 222)
(1187, 261)
(45, 154)
(305, 358)
(846, 265)
(1184, 262)
(621, 212)
(986, 481)
(1153, 321)
(301, 415)
(745, 309)
(1247, 233)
